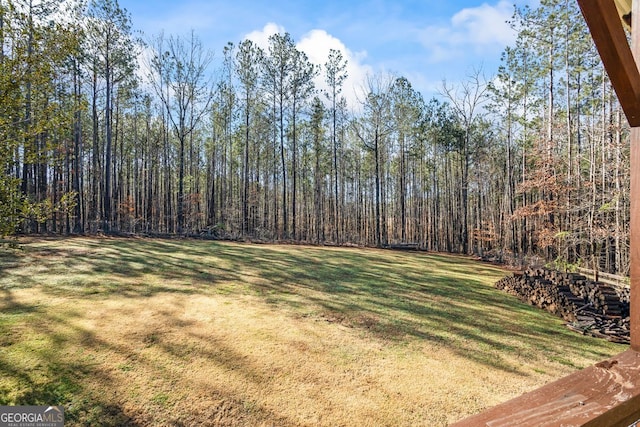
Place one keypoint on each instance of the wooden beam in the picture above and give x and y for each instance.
(603, 395)
(611, 41)
(634, 220)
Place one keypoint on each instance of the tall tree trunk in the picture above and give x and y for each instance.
(285, 207)
(245, 192)
(376, 152)
(96, 181)
(180, 211)
(108, 190)
(78, 153)
(294, 172)
(335, 168)
(403, 189)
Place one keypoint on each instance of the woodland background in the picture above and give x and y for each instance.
(529, 165)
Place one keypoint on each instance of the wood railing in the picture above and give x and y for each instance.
(606, 394)
(606, 278)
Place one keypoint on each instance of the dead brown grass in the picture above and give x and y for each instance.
(171, 350)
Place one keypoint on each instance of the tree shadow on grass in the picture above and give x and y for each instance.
(35, 369)
(53, 363)
(409, 299)
(105, 267)
(427, 296)
(390, 296)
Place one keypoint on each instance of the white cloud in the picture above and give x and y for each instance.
(317, 44)
(261, 37)
(486, 25)
(482, 29)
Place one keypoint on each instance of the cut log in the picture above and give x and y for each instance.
(590, 307)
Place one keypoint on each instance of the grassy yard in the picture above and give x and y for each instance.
(155, 332)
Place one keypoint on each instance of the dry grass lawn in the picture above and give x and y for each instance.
(182, 333)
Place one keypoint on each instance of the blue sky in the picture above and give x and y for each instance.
(425, 41)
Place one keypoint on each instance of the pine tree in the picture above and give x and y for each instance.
(336, 74)
(111, 45)
(248, 58)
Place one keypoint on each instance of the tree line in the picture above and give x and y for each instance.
(529, 165)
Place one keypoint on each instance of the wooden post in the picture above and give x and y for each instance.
(611, 41)
(635, 196)
(621, 62)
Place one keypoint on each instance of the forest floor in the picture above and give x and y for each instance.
(182, 332)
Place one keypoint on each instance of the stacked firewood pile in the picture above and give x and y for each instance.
(589, 307)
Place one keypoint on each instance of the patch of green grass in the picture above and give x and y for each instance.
(412, 295)
(398, 300)
(160, 399)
